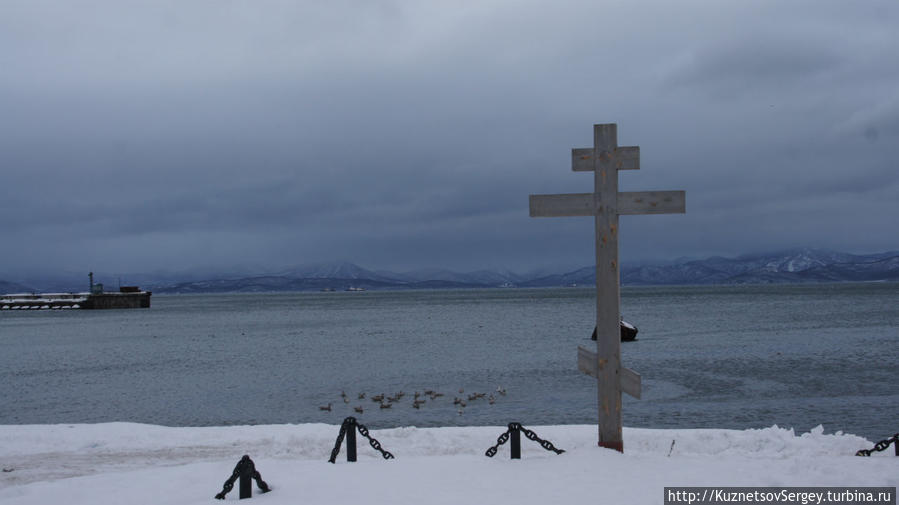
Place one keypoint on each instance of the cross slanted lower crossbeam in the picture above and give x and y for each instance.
(605, 204)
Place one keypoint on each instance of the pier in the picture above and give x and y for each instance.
(126, 298)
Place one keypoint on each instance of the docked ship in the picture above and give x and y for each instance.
(127, 297)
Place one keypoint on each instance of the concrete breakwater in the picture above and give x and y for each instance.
(131, 299)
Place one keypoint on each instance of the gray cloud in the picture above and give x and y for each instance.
(172, 135)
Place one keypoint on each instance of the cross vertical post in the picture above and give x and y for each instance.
(605, 204)
(608, 295)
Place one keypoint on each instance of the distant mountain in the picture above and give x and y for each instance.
(480, 277)
(337, 270)
(791, 266)
(581, 277)
(797, 265)
(12, 287)
(886, 269)
(271, 284)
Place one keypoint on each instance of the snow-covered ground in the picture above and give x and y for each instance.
(124, 463)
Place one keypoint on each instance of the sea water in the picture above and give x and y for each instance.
(723, 356)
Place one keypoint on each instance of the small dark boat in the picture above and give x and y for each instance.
(628, 332)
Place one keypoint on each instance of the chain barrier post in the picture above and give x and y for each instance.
(245, 471)
(351, 441)
(348, 430)
(246, 484)
(515, 432)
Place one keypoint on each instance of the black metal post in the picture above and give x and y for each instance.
(515, 438)
(246, 472)
(896, 446)
(246, 478)
(351, 442)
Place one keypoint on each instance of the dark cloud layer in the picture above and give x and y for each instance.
(139, 136)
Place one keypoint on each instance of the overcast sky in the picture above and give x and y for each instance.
(177, 135)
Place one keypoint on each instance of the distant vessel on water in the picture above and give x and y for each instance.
(127, 297)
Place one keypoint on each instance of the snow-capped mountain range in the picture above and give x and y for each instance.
(792, 266)
(800, 265)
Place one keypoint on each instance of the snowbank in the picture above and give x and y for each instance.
(118, 463)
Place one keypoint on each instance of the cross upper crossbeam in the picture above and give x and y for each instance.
(622, 158)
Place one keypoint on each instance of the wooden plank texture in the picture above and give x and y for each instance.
(631, 382)
(586, 361)
(651, 202)
(574, 204)
(608, 291)
(629, 203)
(625, 158)
(605, 204)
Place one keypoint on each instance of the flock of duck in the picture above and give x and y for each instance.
(418, 399)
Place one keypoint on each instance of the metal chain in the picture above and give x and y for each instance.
(336, 450)
(546, 444)
(229, 484)
(245, 464)
(374, 443)
(259, 482)
(502, 439)
(880, 446)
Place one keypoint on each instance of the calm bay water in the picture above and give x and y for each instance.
(724, 356)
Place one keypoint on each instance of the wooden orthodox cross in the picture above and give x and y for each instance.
(605, 204)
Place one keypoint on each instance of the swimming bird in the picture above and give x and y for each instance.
(328, 408)
(358, 409)
(378, 398)
(491, 400)
(361, 396)
(386, 405)
(501, 390)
